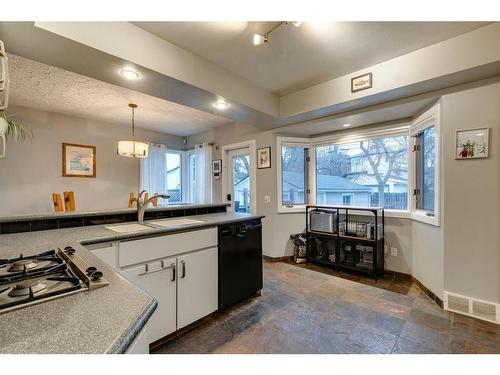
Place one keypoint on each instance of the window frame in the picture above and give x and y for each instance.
(428, 119)
(297, 142)
(365, 136)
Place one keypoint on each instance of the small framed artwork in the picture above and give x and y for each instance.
(362, 82)
(264, 158)
(217, 166)
(78, 160)
(472, 143)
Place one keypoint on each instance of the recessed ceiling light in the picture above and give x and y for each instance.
(129, 74)
(346, 125)
(221, 104)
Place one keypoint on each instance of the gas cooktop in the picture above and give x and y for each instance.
(51, 274)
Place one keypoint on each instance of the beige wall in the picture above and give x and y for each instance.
(428, 256)
(32, 170)
(472, 197)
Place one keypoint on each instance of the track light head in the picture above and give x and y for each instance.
(259, 39)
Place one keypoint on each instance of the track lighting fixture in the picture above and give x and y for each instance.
(260, 39)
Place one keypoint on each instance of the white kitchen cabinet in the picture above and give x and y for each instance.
(159, 280)
(144, 250)
(197, 292)
(180, 270)
(107, 252)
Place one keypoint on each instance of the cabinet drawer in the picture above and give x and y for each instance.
(133, 252)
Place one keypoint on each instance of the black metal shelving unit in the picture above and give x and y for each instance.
(356, 242)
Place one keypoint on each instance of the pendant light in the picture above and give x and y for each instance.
(133, 149)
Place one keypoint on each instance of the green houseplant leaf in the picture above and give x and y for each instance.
(16, 129)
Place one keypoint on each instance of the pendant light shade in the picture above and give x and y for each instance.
(133, 148)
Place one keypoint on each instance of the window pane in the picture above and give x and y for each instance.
(364, 173)
(293, 172)
(241, 183)
(174, 177)
(192, 177)
(427, 169)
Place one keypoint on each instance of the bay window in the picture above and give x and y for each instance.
(393, 168)
(365, 172)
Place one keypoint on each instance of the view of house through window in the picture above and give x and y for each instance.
(241, 183)
(371, 172)
(174, 177)
(293, 174)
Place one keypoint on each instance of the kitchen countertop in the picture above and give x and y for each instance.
(63, 215)
(104, 320)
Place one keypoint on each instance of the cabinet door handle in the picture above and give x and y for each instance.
(183, 269)
(173, 271)
(163, 268)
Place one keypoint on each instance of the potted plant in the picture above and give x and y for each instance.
(12, 128)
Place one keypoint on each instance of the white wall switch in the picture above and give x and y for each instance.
(267, 198)
(394, 252)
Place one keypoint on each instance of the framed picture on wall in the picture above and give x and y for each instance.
(362, 82)
(472, 143)
(78, 160)
(264, 158)
(217, 166)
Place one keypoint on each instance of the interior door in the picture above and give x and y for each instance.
(238, 172)
(159, 280)
(197, 294)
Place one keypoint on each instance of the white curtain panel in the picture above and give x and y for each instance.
(203, 160)
(152, 181)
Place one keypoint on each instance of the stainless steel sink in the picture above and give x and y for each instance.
(129, 228)
(175, 222)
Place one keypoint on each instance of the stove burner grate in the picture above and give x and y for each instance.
(27, 288)
(22, 265)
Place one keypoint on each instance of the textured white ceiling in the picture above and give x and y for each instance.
(296, 58)
(45, 87)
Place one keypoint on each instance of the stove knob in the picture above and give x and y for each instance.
(96, 275)
(90, 270)
(69, 250)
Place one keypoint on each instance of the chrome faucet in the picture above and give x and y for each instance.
(142, 205)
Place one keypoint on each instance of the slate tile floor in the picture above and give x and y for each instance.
(302, 310)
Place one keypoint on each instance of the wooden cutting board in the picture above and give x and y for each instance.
(56, 199)
(69, 201)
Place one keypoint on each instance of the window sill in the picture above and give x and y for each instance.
(422, 217)
(291, 210)
(397, 214)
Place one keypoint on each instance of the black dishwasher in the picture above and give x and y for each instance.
(240, 261)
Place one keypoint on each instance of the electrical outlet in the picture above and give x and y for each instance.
(394, 251)
(267, 198)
